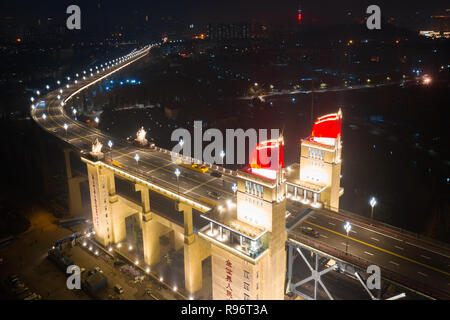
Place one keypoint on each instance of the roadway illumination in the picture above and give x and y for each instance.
(65, 126)
(234, 188)
(347, 227)
(47, 87)
(97, 119)
(32, 99)
(177, 173)
(222, 154)
(44, 116)
(58, 82)
(38, 92)
(136, 157)
(373, 203)
(74, 111)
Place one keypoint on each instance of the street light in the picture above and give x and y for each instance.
(136, 157)
(97, 119)
(234, 188)
(110, 144)
(347, 227)
(65, 127)
(222, 154)
(372, 203)
(44, 116)
(74, 111)
(177, 173)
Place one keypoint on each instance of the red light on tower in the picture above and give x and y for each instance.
(300, 16)
(268, 158)
(327, 129)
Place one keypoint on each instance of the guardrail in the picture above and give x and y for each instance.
(380, 224)
(363, 263)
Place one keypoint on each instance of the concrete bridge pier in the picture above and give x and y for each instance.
(195, 251)
(74, 193)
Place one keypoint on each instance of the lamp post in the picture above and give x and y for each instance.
(65, 126)
(222, 155)
(110, 144)
(347, 227)
(373, 203)
(177, 173)
(136, 157)
(234, 188)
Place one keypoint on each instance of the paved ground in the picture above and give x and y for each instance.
(27, 256)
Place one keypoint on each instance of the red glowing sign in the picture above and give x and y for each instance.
(267, 158)
(327, 128)
(300, 16)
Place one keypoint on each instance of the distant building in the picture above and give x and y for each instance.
(229, 31)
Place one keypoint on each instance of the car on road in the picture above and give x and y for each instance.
(118, 288)
(214, 194)
(216, 174)
(200, 168)
(310, 232)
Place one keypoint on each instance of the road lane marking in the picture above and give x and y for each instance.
(381, 249)
(371, 254)
(422, 274)
(353, 231)
(394, 263)
(399, 247)
(324, 236)
(426, 257)
(331, 223)
(374, 239)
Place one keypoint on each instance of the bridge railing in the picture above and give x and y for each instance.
(380, 224)
(399, 278)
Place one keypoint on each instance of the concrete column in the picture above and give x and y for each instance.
(74, 193)
(145, 197)
(151, 232)
(195, 251)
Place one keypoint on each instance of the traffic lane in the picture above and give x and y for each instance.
(376, 246)
(398, 246)
(439, 252)
(388, 261)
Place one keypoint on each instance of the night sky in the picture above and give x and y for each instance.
(204, 11)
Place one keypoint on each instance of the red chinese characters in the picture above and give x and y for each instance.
(229, 273)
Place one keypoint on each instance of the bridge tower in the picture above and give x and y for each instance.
(320, 160)
(248, 237)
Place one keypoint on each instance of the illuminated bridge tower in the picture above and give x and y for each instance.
(317, 180)
(248, 239)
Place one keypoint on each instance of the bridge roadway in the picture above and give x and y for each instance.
(419, 263)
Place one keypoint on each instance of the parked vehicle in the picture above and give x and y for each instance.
(118, 288)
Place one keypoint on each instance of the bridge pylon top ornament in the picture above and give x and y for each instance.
(97, 149)
(140, 137)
